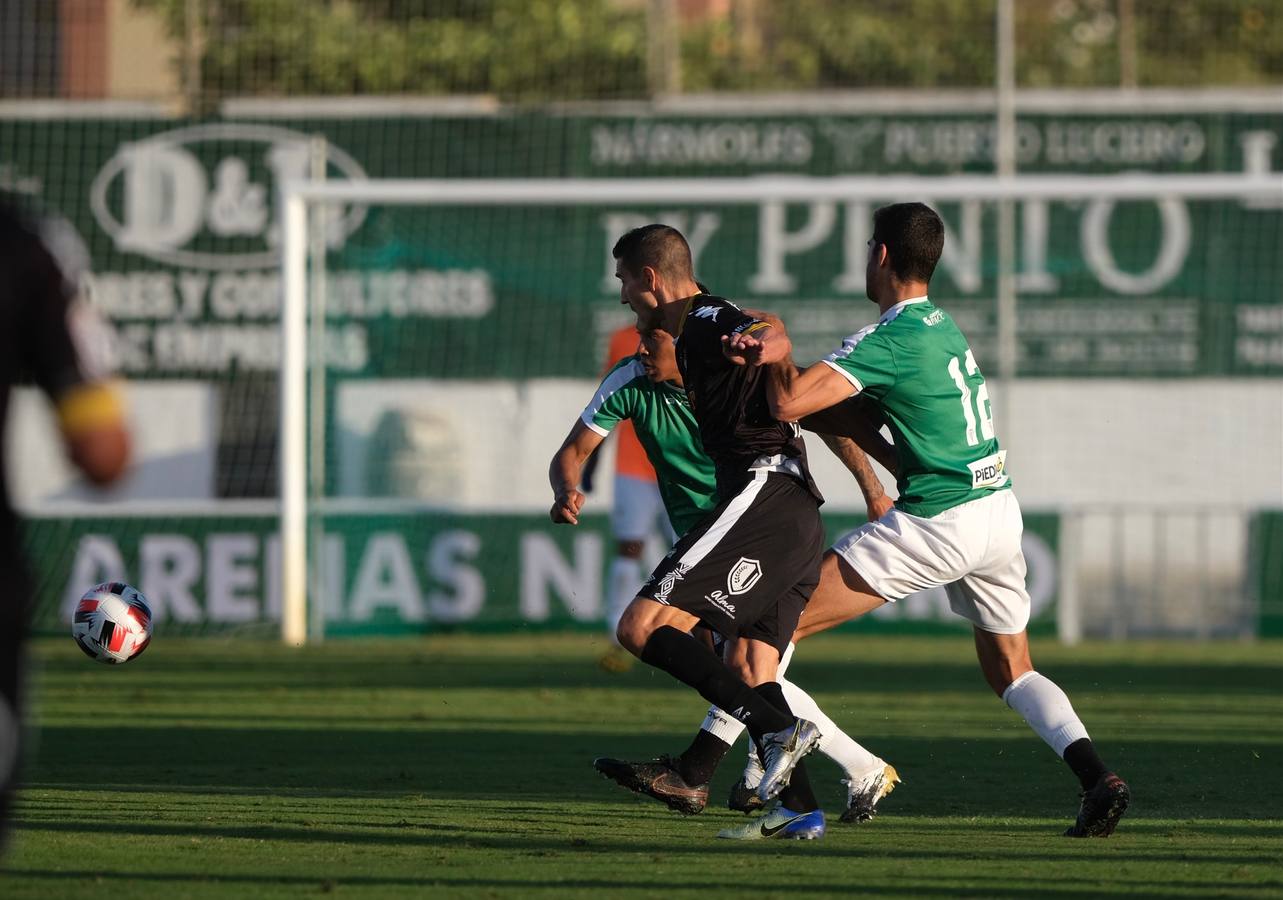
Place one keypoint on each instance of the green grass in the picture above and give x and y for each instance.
(460, 766)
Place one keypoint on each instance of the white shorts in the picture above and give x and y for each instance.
(639, 511)
(972, 549)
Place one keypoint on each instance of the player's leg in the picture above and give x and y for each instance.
(714, 573)
(880, 562)
(993, 598)
(842, 595)
(797, 814)
(632, 513)
(758, 664)
(1004, 659)
(13, 629)
(868, 777)
(692, 584)
(624, 579)
(659, 634)
(845, 594)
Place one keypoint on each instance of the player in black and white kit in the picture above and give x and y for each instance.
(747, 569)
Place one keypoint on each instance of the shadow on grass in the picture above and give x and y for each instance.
(1011, 774)
(590, 839)
(862, 664)
(916, 882)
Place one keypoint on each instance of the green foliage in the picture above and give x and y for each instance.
(819, 44)
(596, 49)
(1194, 43)
(1213, 41)
(516, 49)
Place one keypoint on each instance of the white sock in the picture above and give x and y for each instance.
(836, 744)
(1046, 709)
(625, 578)
(723, 725)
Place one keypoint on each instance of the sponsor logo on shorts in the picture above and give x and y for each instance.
(743, 575)
(718, 599)
(669, 581)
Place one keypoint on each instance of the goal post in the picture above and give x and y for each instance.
(298, 198)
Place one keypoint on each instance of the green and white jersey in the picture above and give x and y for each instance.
(668, 433)
(915, 363)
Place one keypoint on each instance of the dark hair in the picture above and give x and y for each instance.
(659, 246)
(914, 237)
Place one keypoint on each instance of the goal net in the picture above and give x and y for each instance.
(436, 357)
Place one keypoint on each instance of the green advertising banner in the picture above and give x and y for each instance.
(390, 574)
(179, 221)
(461, 341)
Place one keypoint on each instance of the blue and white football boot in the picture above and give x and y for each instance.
(779, 822)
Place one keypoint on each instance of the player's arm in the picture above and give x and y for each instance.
(566, 470)
(857, 463)
(614, 401)
(761, 340)
(89, 409)
(793, 395)
(588, 475)
(93, 431)
(859, 422)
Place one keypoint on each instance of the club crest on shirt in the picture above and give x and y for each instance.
(708, 312)
(743, 575)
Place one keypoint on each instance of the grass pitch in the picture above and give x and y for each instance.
(460, 766)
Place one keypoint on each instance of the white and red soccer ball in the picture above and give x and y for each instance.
(112, 623)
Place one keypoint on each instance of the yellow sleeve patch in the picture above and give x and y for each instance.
(757, 326)
(87, 407)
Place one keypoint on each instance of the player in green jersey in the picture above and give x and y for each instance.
(956, 523)
(646, 388)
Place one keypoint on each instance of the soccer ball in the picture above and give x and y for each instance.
(112, 623)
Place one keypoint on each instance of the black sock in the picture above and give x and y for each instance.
(692, 663)
(700, 760)
(1081, 757)
(798, 796)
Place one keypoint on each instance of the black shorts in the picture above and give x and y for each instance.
(749, 566)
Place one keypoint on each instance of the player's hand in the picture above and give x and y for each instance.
(747, 349)
(879, 506)
(741, 349)
(565, 508)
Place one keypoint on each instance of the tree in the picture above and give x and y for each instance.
(541, 50)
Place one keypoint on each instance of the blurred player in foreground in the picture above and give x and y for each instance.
(645, 388)
(956, 523)
(40, 326)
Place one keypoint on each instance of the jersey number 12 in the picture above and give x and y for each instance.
(981, 412)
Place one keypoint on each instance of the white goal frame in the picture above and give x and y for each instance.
(296, 196)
